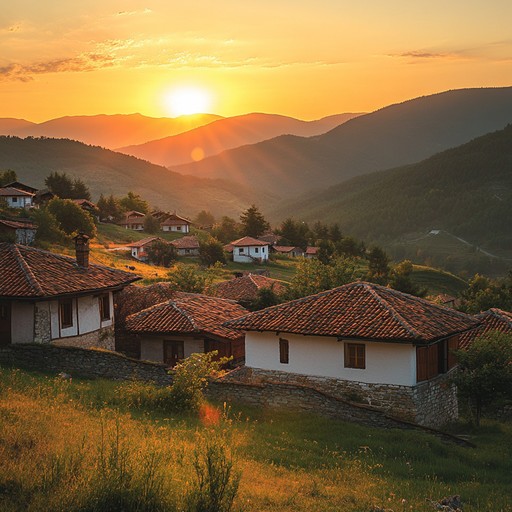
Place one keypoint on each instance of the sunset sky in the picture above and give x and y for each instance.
(301, 58)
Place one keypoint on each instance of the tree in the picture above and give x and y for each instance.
(211, 251)
(484, 293)
(378, 266)
(187, 278)
(311, 276)
(133, 201)
(227, 231)
(335, 233)
(400, 279)
(485, 371)
(325, 251)
(151, 224)
(66, 188)
(48, 230)
(161, 253)
(253, 222)
(71, 218)
(204, 218)
(80, 190)
(265, 298)
(7, 176)
(295, 232)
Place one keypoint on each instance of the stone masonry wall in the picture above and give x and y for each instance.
(101, 338)
(42, 323)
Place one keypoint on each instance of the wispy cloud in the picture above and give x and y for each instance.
(134, 13)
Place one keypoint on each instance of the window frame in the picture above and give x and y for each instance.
(66, 319)
(353, 358)
(105, 313)
(284, 351)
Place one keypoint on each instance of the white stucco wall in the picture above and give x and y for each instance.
(21, 201)
(386, 363)
(22, 322)
(249, 253)
(152, 348)
(177, 229)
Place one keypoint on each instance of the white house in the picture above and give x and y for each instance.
(21, 231)
(187, 323)
(249, 250)
(390, 349)
(49, 298)
(133, 220)
(16, 198)
(187, 246)
(175, 223)
(139, 249)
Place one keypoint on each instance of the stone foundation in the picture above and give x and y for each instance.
(102, 338)
(42, 322)
(432, 403)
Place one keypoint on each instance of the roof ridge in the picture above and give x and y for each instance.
(409, 328)
(184, 313)
(497, 312)
(31, 278)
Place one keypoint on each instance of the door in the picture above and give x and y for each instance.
(5, 323)
(174, 352)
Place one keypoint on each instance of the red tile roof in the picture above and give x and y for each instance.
(360, 310)
(188, 314)
(17, 224)
(175, 220)
(11, 192)
(312, 250)
(286, 248)
(85, 202)
(493, 319)
(247, 241)
(26, 272)
(186, 242)
(246, 288)
(144, 241)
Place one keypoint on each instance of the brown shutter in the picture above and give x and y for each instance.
(421, 364)
(453, 345)
(433, 360)
(283, 351)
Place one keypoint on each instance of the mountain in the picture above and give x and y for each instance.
(228, 133)
(108, 172)
(396, 135)
(111, 131)
(9, 125)
(464, 192)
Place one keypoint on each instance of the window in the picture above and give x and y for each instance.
(284, 351)
(435, 359)
(241, 250)
(355, 356)
(256, 249)
(104, 307)
(66, 313)
(178, 228)
(14, 199)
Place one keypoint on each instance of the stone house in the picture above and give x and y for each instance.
(362, 341)
(187, 323)
(49, 298)
(176, 224)
(187, 246)
(20, 231)
(248, 250)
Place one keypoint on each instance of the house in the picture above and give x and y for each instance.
(139, 249)
(19, 231)
(248, 250)
(49, 298)
(311, 252)
(21, 186)
(176, 223)
(271, 238)
(185, 324)
(387, 348)
(288, 250)
(493, 319)
(87, 205)
(43, 196)
(244, 289)
(16, 198)
(187, 246)
(133, 220)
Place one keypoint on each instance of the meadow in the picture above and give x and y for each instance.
(85, 445)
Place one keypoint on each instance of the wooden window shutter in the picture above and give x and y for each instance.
(433, 360)
(284, 351)
(421, 364)
(453, 345)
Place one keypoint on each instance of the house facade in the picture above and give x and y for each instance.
(187, 246)
(176, 224)
(16, 198)
(288, 250)
(49, 298)
(139, 249)
(188, 323)
(385, 348)
(249, 250)
(133, 220)
(20, 231)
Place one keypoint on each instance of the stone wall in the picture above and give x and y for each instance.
(431, 403)
(101, 338)
(42, 323)
(82, 362)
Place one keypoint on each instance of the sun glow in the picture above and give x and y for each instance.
(188, 100)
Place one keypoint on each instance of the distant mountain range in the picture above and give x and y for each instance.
(228, 133)
(107, 172)
(396, 135)
(109, 131)
(466, 191)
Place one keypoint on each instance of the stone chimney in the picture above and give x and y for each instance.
(82, 250)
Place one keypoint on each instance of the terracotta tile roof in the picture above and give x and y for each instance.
(21, 186)
(247, 241)
(246, 288)
(312, 250)
(360, 310)
(132, 220)
(493, 319)
(11, 192)
(85, 202)
(175, 220)
(144, 241)
(188, 314)
(26, 272)
(186, 242)
(270, 238)
(286, 248)
(17, 224)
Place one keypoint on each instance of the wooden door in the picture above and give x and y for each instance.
(174, 352)
(5, 323)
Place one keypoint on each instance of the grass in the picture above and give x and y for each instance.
(80, 445)
(438, 281)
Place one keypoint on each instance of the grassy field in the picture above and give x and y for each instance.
(70, 446)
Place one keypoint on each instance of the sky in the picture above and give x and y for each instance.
(302, 58)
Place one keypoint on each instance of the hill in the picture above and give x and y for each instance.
(228, 133)
(465, 192)
(396, 135)
(108, 131)
(108, 172)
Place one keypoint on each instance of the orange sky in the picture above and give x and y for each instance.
(301, 58)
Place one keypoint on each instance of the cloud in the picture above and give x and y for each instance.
(134, 13)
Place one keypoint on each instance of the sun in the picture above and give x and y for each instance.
(188, 100)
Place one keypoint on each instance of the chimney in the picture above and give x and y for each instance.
(82, 250)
